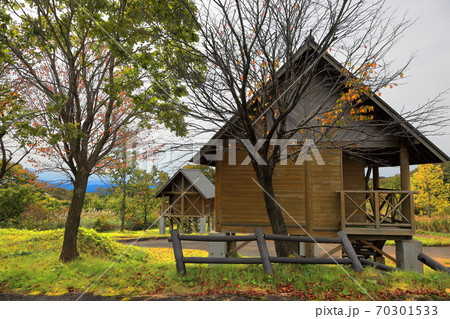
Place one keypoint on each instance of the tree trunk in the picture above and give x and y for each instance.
(274, 212)
(69, 248)
(124, 207)
(145, 215)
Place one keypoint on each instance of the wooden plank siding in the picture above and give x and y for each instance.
(326, 180)
(240, 204)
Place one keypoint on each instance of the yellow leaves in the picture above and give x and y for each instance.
(401, 75)
(277, 63)
(428, 180)
(250, 93)
(379, 93)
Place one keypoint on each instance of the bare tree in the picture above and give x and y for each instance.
(266, 77)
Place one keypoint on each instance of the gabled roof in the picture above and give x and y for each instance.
(197, 180)
(425, 150)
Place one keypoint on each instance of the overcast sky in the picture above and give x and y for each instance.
(429, 72)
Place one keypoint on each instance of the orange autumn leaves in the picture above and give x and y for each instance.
(350, 106)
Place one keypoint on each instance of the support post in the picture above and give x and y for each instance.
(303, 249)
(377, 210)
(231, 245)
(376, 177)
(163, 203)
(350, 251)
(183, 218)
(309, 248)
(263, 251)
(405, 179)
(162, 225)
(406, 252)
(178, 251)
(202, 224)
(343, 217)
(217, 249)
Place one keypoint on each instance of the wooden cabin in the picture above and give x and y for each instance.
(187, 201)
(343, 194)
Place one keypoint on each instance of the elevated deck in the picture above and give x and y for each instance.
(376, 214)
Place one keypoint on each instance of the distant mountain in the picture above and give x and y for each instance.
(93, 186)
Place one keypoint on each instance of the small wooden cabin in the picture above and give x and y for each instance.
(324, 199)
(187, 201)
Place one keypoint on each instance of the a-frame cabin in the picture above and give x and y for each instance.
(324, 199)
(187, 201)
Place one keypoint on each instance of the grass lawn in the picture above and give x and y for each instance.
(429, 238)
(29, 265)
(133, 234)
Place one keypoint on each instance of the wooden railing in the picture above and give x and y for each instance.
(377, 209)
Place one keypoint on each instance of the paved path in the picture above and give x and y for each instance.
(251, 250)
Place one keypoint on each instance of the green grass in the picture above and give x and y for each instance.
(129, 234)
(133, 234)
(29, 265)
(424, 232)
(429, 238)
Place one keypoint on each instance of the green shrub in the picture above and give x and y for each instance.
(439, 224)
(14, 200)
(135, 222)
(100, 220)
(37, 217)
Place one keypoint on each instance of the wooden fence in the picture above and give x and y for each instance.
(265, 259)
(433, 264)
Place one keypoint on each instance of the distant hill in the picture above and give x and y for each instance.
(93, 186)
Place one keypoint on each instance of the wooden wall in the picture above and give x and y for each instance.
(240, 204)
(195, 205)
